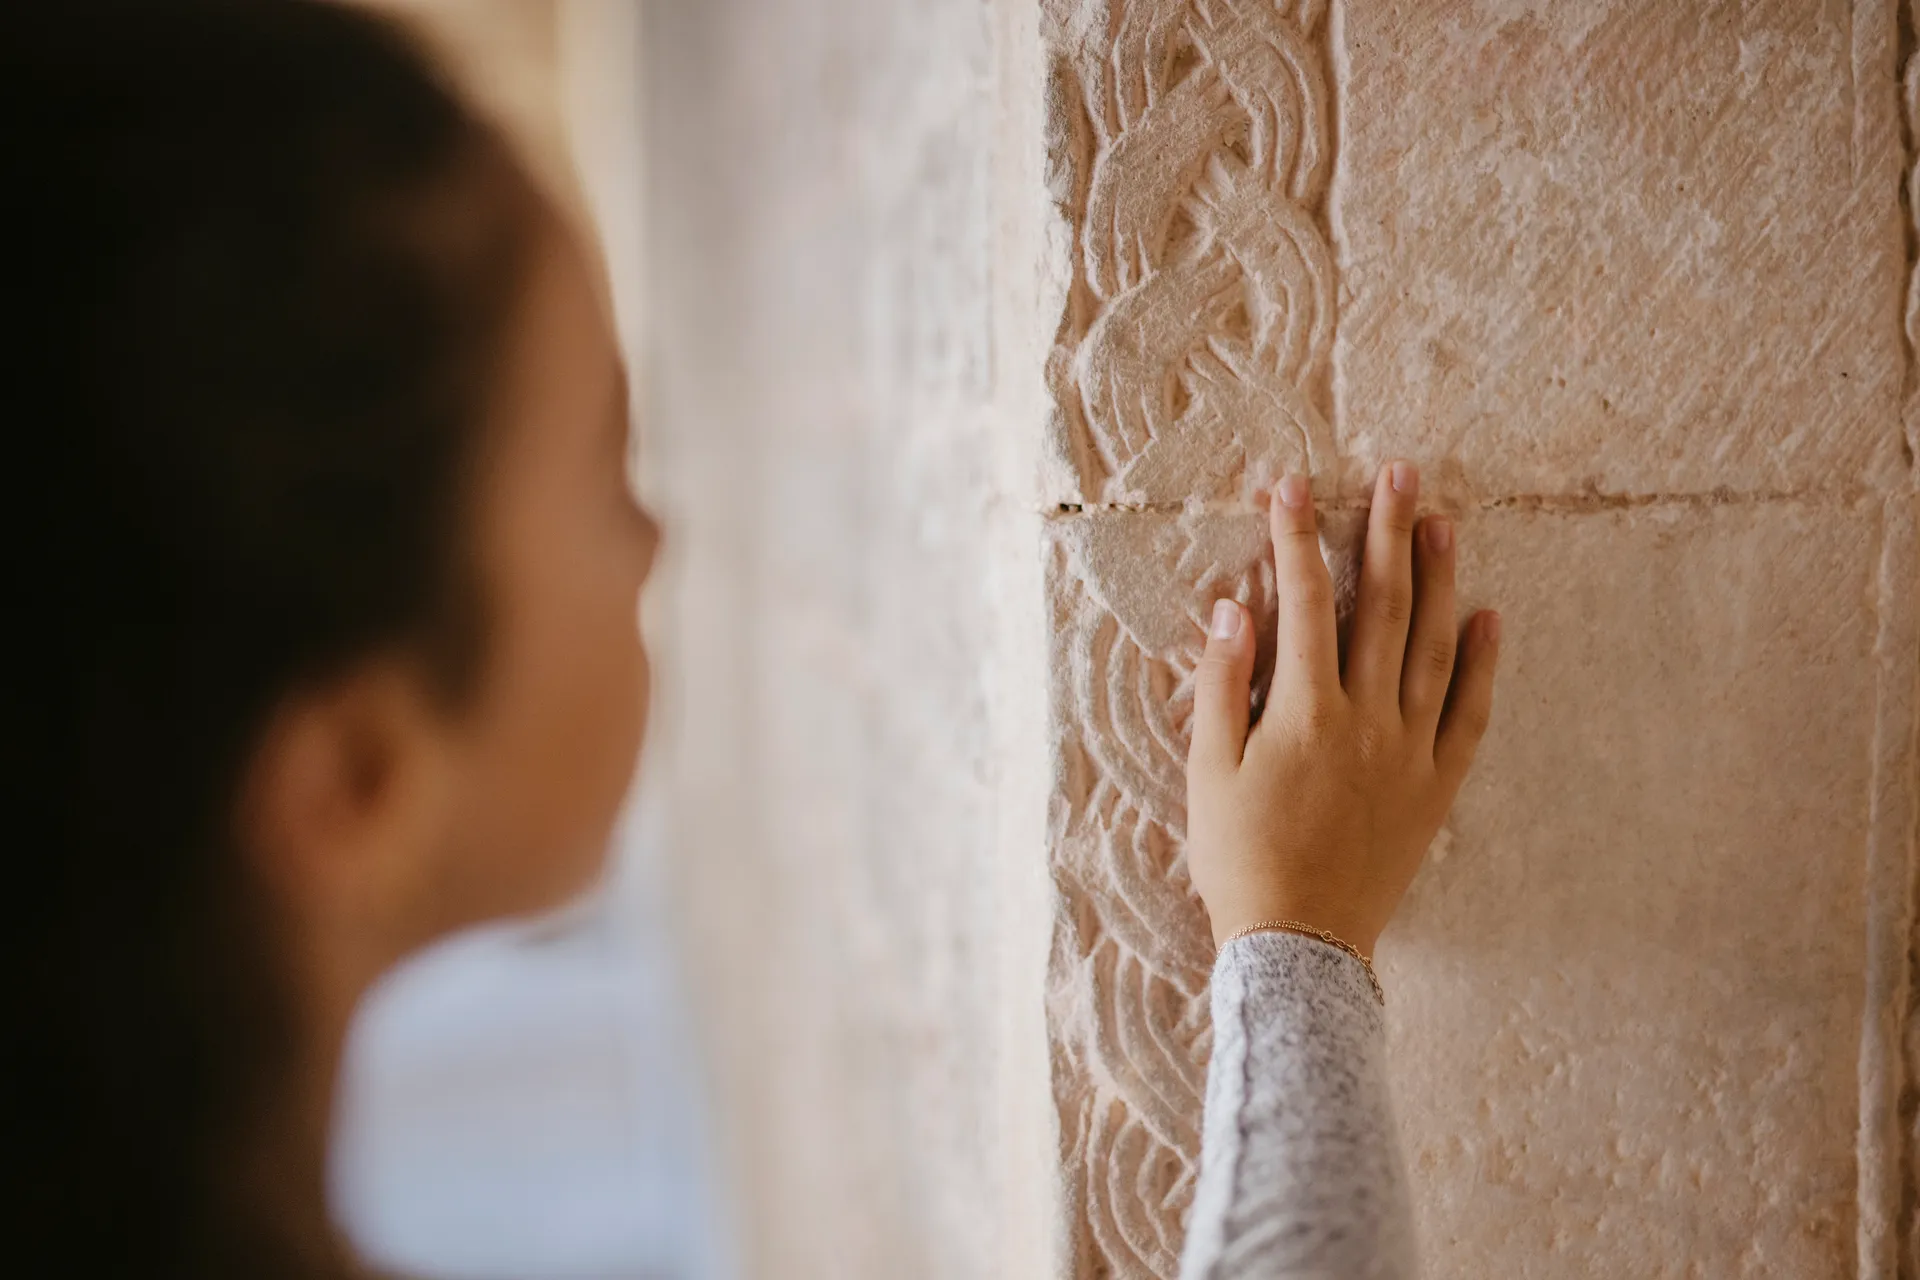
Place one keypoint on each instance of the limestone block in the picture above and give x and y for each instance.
(1127, 1000)
(1625, 992)
(1191, 149)
(1633, 246)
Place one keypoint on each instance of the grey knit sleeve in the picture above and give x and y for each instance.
(1300, 1173)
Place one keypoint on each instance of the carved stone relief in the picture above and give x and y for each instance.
(1193, 151)
(1129, 977)
(1197, 146)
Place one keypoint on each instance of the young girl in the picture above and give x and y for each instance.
(324, 572)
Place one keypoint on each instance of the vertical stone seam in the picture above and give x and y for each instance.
(1882, 1147)
(1907, 85)
(1888, 1160)
(1339, 77)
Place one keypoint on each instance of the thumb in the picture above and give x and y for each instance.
(1221, 690)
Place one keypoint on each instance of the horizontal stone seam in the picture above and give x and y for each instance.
(1548, 503)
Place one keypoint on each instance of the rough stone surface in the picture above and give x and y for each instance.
(1637, 246)
(1625, 992)
(851, 703)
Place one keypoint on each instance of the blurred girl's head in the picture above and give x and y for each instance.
(323, 569)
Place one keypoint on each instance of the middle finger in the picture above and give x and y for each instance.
(1384, 600)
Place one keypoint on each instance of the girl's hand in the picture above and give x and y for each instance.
(1322, 812)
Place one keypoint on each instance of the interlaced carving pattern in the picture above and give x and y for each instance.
(1192, 363)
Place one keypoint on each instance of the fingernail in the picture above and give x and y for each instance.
(1294, 491)
(1226, 620)
(1492, 625)
(1440, 534)
(1406, 477)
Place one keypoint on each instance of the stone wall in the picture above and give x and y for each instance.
(841, 393)
(1627, 279)
(979, 330)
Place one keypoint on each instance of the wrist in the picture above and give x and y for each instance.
(1340, 925)
(1322, 936)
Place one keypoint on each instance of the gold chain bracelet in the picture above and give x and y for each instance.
(1294, 926)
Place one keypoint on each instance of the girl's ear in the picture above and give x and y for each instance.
(346, 799)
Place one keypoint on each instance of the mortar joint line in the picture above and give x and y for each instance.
(1569, 503)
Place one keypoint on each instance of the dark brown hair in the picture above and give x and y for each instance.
(259, 261)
